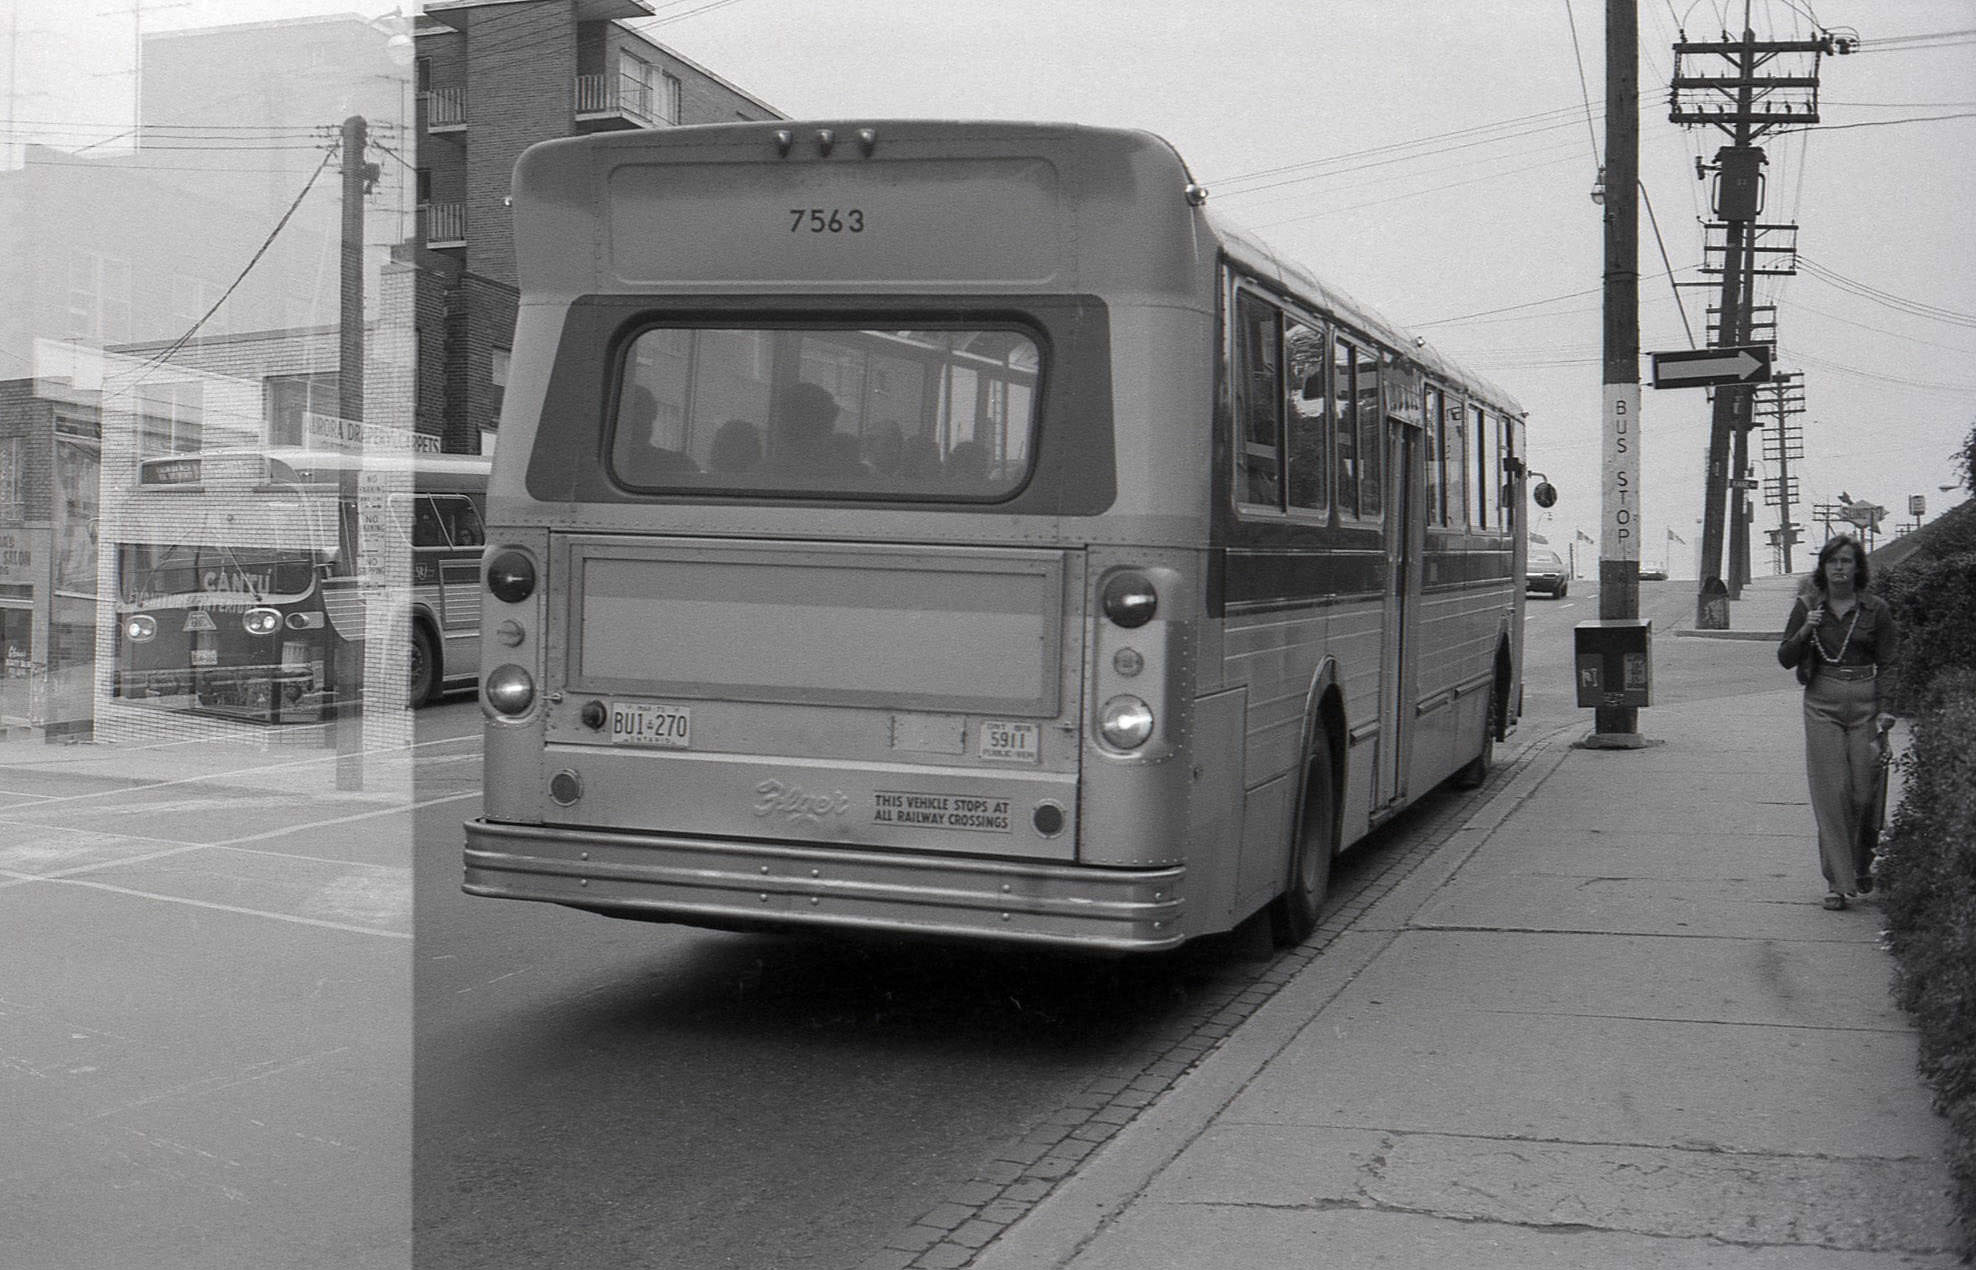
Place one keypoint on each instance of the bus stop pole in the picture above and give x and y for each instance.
(1617, 726)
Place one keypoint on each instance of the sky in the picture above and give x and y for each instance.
(1434, 160)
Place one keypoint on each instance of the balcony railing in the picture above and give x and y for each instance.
(445, 224)
(603, 96)
(445, 109)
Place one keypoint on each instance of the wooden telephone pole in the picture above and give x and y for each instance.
(1746, 101)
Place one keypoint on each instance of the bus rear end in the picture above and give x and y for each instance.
(815, 598)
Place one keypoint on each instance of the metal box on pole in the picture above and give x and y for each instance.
(1615, 663)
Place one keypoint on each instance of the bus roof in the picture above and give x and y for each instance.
(1030, 232)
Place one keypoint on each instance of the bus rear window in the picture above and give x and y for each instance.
(860, 414)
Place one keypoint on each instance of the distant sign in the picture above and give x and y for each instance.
(1917, 505)
(1712, 367)
(169, 472)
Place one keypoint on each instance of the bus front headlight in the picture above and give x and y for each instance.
(1125, 722)
(261, 621)
(141, 628)
(509, 689)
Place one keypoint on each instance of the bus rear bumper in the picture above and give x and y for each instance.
(737, 885)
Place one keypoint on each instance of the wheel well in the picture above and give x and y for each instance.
(1500, 724)
(1331, 719)
(423, 621)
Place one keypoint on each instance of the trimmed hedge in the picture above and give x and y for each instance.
(1928, 872)
(1934, 603)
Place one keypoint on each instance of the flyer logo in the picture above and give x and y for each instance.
(793, 802)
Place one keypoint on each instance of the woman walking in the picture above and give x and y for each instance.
(1842, 642)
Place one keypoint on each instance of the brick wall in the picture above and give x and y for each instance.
(521, 77)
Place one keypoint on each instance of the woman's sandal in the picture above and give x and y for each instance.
(1835, 901)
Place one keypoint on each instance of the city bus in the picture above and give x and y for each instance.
(241, 613)
(959, 529)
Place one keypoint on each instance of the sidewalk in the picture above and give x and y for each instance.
(1759, 614)
(1608, 1024)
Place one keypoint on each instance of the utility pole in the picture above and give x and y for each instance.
(357, 176)
(1777, 403)
(1617, 726)
(1746, 104)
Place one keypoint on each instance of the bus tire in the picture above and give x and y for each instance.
(1293, 914)
(1479, 767)
(424, 677)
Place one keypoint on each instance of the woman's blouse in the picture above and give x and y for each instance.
(1866, 636)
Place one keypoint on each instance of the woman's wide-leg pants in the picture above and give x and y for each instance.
(1842, 763)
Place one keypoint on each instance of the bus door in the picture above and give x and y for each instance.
(461, 536)
(1396, 688)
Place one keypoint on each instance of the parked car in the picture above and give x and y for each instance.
(1546, 572)
(1653, 575)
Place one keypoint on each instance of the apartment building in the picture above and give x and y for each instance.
(494, 77)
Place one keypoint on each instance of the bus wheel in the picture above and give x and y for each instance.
(1293, 914)
(1477, 771)
(424, 665)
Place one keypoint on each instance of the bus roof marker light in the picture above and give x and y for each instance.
(784, 140)
(1196, 194)
(867, 140)
(1130, 600)
(826, 141)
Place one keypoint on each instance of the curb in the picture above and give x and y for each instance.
(1770, 636)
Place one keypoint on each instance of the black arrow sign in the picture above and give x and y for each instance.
(1712, 367)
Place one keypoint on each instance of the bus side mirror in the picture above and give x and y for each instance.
(1545, 495)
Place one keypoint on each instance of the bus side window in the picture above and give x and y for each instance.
(427, 529)
(460, 520)
(1308, 439)
(1372, 438)
(1481, 437)
(1258, 377)
(1455, 455)
(1345, 400)
(1437, 475)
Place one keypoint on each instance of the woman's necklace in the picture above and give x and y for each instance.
(1818, 640)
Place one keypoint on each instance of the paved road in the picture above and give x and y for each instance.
(205, 972)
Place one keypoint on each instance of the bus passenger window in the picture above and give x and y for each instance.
(1437, 476)
(1481, 438)
(1372, 438)
(1345, 402)
(1258, 399)
(1308, 441)
(1455, 456)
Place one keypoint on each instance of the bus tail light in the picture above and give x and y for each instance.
(510, 690)
(511, 576)
(141, 628)
(1125, 722)
(1130, 600)
(261, 621)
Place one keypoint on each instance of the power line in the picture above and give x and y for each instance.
(1584, 89)
(1865, 291)
(166, 354)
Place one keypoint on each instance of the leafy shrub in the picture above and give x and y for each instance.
(1934, 603)
(1929, 872)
